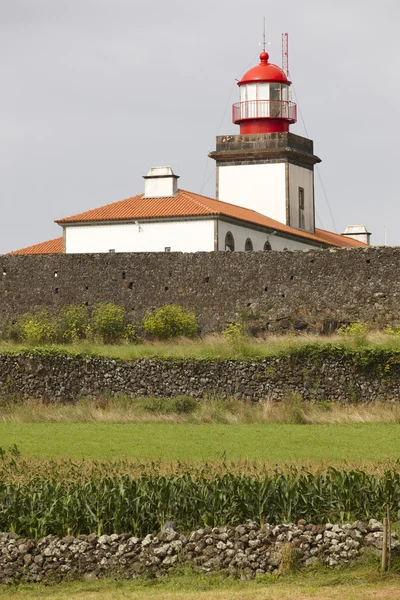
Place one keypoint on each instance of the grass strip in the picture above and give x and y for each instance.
(214, 347)
(269, 442)
(359, 582)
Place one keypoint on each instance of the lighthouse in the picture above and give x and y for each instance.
(265, 105)
(266, 167)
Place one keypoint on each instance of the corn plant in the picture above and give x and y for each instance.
(39, 503)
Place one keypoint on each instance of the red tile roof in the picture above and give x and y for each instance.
(50, 247)
(189, 204)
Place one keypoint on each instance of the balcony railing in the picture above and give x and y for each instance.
(264, 109)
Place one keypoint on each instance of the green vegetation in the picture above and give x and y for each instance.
(185, 409)
(269, 442)
(39, 504)
(356, 332)
(108, 324)
(362, 581)
(171, 321)
(379, 350)
(72, 324)
(35, 329)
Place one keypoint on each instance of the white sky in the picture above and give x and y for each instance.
(95, 92)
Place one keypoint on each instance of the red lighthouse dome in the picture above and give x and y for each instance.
(265, 105)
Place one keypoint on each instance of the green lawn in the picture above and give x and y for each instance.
(270, 442)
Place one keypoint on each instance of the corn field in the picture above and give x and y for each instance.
(45, 503)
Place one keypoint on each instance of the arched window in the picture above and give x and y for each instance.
(267, 246)
(229, 242)
(248, 245)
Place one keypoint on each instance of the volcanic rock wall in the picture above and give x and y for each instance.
(247, 550)
(342, 376)
(314, 290)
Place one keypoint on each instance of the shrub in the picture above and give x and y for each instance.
(37, 328)
(72, 324)
(356, 332)
(171, 321)
(390, 330)
(235, 334)
(108, 324)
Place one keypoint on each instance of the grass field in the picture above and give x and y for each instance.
(183, 409)
(216, 346)
(355, 583)
(272, 443)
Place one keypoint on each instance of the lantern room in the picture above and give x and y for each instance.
(265, 100)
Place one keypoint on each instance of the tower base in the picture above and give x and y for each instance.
(271, 173)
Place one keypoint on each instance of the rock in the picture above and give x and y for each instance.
(91, 576)
(104, 539)
(374, 525)
(169, 525)
(168, 535)
(133, 541)
(248, 548)
(170, 560)
(360, 526)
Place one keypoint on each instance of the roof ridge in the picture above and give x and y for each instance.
(83, 212)
(190, 195)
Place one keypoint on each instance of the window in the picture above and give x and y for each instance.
(302, 221)
(267, 246)
(275, 99)
(301, 198)
(248, 245)
(229, 242)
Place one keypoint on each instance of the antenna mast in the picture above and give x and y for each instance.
(285, 53)
(264, 40)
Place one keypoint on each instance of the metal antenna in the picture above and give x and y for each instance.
(264, 38)
(285, 53)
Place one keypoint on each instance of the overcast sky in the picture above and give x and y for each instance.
(95, 92)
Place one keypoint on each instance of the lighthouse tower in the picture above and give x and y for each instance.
(265, 105)
(265, 167)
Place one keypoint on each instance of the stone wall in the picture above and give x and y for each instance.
(331, 377)
(246, 550)
(312, 290)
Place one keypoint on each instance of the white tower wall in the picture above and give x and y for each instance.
(259, 187)
(301, 178)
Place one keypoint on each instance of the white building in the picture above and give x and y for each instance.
(264, 192)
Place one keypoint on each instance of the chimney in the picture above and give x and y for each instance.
(358, 232)
(160, 182)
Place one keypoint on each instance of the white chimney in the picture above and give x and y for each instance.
(160, 182)
(358, 232)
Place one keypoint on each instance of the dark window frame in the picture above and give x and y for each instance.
(229, 242)
(248, 245)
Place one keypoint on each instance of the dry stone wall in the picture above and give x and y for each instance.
(312, 290)
(246, 550)
(66, 378)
